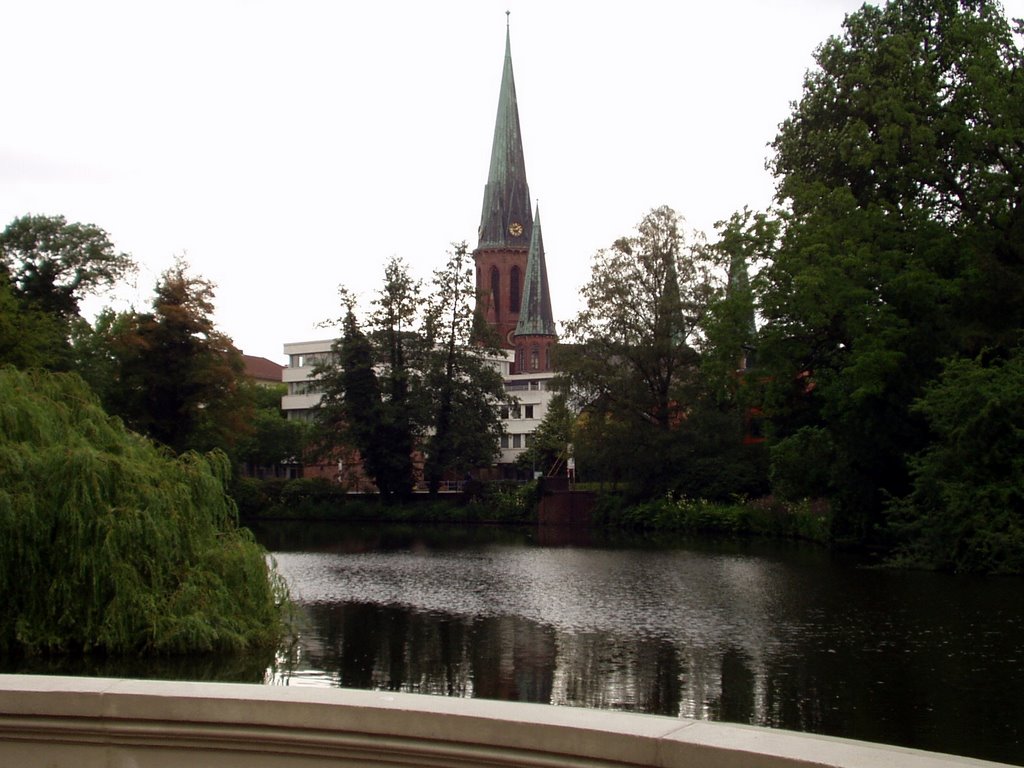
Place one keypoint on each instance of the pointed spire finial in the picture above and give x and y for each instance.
(505, 218)
(507, 14)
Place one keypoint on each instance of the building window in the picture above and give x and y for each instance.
(528, 439)
(535, 358)
(517, 441)
(527, 411)
(503, 412)
(496, 291)
(515, 292)
(504, 441)
(515, 412)
(304, 388)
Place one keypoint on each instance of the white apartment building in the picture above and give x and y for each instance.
(529, 394)
(303, 396)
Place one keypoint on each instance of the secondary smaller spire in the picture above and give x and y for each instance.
(535, 316)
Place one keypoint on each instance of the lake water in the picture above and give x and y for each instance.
(771, 634)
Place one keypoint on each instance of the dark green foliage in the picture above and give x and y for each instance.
(463, 388)
(109, 544)
(903, 243)
(414, 380)
(319, 499)
(966, 510)
(636, 332)
(353, 413)
(713, 458)
(635, 363)
(745, 242)
(665, 407)
(803, 465)
(29, 337)
(547, 453)
(767, 517)
(52, 264)
(395, 421)
(370, 402)
(599, 448)
(309, 498)
(175, 377)
(504, 503)
(47, 266)
(273, 439)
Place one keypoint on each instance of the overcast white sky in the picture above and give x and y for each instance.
(288, 147)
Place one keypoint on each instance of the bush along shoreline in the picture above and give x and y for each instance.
(320, 499)
(769, 518)
(110, 544)
(516, 504)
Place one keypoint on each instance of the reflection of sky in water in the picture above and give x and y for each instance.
(673, 595)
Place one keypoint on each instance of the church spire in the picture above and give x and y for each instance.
(535, 316)
(505, 221)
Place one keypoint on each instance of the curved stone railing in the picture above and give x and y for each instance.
(102, 723)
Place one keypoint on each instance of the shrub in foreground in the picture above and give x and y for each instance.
(108, 543)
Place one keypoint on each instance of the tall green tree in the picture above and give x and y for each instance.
(178, 377)
(353, 413)
(549, 447)
(272, 439)
(52, 264)
(29, 337)
(635, 357)
(464, 388)
(901, 171)
(965, 511)
(372, 399)
(47, 266)
(413, 381)
(397, 312)
(110, 546)
(746, 242)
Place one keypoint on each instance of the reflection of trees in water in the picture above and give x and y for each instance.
(388, 647)
(607, 672)
(786, 641)
(391, 648)
(852, 683)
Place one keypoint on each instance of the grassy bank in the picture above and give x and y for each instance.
(762, 517)
(317, 499)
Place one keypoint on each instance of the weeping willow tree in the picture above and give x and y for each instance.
(110, 544)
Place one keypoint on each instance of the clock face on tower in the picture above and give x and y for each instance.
(515, 229)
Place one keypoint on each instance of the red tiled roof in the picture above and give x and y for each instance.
(261, 369)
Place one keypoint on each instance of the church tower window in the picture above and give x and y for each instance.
(496, 291)
(515, 290)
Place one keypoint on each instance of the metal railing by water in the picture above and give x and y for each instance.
(100, 723)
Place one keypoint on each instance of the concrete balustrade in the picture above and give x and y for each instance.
(103, 723)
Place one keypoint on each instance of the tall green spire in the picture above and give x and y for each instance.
(535, 316)
(505, 220)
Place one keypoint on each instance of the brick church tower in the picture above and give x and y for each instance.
(511, 275)
(535, 331)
